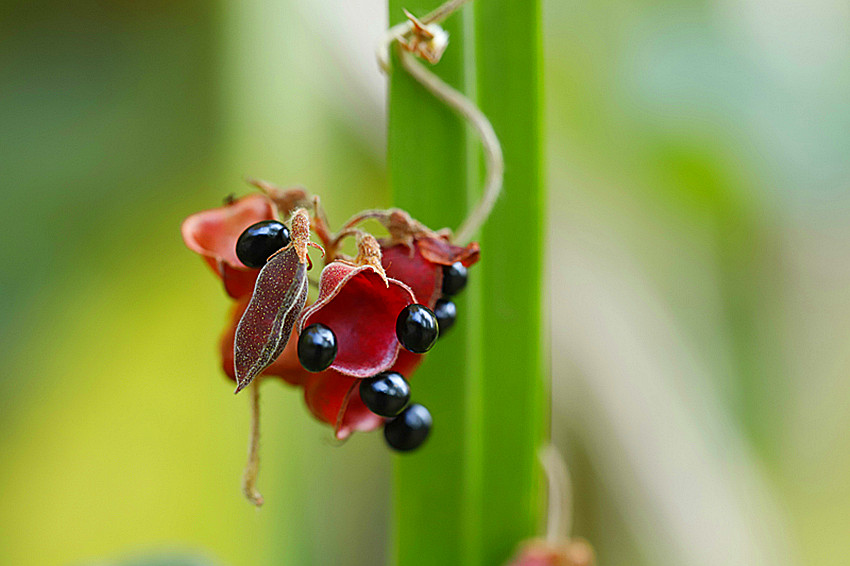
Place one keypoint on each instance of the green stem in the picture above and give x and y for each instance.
(429, 167)
(514, 392)
(471, 494)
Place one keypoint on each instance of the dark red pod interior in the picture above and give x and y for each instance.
(335, 399)
(420, 265)
(361, 308)
(406, 264)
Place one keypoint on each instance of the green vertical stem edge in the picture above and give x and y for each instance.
(429, 177)
(514, 391)
(472, 492)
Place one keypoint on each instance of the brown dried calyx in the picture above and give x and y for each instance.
(428, 41)
(286, 200)
(402, 227)
(369, 253)
(299, 231)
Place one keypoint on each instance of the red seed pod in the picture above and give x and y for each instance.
(213, 234)
(360, 306)
(335, 399)
(407, 362)
(420, 264)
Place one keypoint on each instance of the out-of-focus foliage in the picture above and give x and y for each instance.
(698, 218)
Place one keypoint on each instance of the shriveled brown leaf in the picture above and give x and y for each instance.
(264, 330)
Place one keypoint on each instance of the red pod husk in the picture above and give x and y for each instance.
(360, 306)
(420, 263)
(265, 327)
(213, 234)
(335, 399)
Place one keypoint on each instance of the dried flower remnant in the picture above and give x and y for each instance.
(286, 365)
(286, 200)
(428, 41)
(264, 329)
(558, 548)
(278, 299)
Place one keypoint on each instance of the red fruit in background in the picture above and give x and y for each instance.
(213, 234)
(360, 306)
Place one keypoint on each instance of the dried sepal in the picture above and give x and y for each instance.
(428, 41)
(369, 253)
(287, 200)
(402, 227)
(264, 329)
(441, 251)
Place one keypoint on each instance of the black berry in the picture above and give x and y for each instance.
(454, 278)
(416, 328)
(316, 348)
(261, 240)
(408, 430)
(386, 394)
(446, 313)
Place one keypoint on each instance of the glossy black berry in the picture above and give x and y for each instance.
(408, 430)
(386, 394)
(316, 347)
(261, 240)
(454, 278)
(416, 328)
(446, 313)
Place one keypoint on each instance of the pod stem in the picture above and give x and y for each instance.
(252, 467)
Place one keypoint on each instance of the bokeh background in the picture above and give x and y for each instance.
(699, 210)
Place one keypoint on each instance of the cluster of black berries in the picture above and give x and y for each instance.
(388, 393)
(454, 281)
(417, 329)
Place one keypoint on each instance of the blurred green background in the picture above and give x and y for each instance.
(699, 259)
